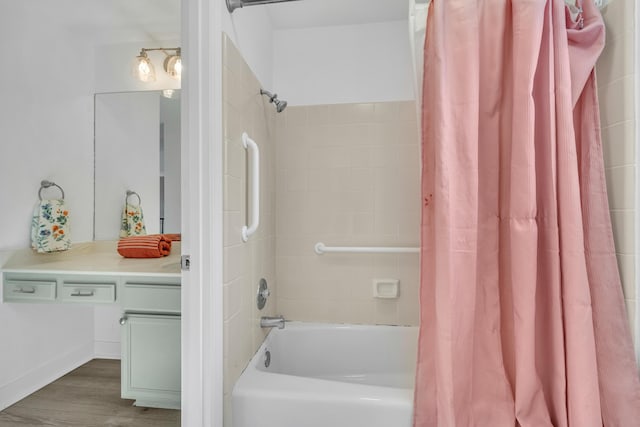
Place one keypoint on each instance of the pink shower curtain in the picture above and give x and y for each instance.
(522, 314)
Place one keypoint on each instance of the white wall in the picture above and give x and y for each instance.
(251, 32)
(343, 64)
(46, 117)
(615, 72)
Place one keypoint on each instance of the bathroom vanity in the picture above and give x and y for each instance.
(147, 290)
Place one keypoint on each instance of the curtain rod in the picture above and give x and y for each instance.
(235, 4)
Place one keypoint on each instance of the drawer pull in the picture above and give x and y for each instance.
(82, 294)
(25, 291)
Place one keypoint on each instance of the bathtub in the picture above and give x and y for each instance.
(324, 375)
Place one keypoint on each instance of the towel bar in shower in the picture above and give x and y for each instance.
(321, 249)
(254, 161)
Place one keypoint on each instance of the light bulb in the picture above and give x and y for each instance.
(143, 68)
(178, 67)
(173, 66)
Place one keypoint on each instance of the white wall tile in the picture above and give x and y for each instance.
(615, 71)
(618, 144)
(616, 101)
(233, 193)
(631, 312)
(618, 17)
(627, 275)
(363, 190)
(351, 113)
(623, 231)
(246, 263)
(616, 60)
(621, 187)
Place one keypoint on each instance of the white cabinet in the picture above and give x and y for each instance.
(60, 288)
(150, 349)
(151, 360)
(146, 290)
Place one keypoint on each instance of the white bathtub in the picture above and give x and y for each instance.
(323, 375)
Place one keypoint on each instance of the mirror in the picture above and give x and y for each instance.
(137, 148)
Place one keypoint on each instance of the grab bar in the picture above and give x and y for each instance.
(321, 249)
(254, 153)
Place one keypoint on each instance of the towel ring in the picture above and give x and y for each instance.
(132, 193)
(46, 184)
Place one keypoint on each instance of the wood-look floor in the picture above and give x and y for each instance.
(86, 397)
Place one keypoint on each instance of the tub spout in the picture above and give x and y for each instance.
(272, 322)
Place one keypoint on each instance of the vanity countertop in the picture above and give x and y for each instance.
(99, 257)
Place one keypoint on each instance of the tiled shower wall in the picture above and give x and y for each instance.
(615, 72)
(245, 110)
(347, 175)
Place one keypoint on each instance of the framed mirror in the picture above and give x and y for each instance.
(137, 148)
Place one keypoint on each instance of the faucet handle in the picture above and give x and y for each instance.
(263, 294)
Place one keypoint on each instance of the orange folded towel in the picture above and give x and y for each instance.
(173, 237)
(150, 246)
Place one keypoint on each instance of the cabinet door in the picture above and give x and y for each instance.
(151, 360)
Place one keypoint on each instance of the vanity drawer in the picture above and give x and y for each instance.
(151, 297)
(80, 292)
(29, 290)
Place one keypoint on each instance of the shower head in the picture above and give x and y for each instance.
(280, 105)
(273, 98)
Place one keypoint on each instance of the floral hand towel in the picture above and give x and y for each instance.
(132, 223)
(50, 226)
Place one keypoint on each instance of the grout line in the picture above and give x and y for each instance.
(617, 80)
(616, 123)
(612, 125)
(621, 166)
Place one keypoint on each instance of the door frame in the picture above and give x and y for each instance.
(202, 219)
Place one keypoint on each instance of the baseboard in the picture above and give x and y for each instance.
(106, 349)
(44, 374)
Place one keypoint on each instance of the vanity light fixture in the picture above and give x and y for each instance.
(144, 70)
